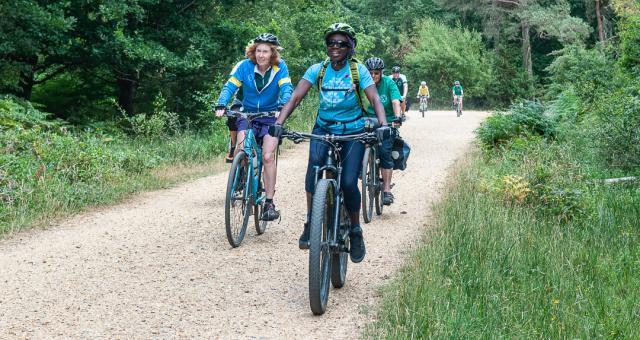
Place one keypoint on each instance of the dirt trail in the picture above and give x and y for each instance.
(160, 265)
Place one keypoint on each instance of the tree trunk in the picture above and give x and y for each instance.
(599, 17)
(526, 49)
(126, 93)
(27, 79)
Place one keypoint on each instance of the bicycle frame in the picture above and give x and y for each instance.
(332, 168)
(253, 151)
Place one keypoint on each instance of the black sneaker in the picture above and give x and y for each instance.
(270, 213)
(303, 242)
(357, 245)
(387, 198)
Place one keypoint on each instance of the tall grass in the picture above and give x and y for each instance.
(49, 169)
(495, 268)
(528, 242)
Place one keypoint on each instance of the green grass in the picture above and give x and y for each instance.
(50, 170)
(494, 266)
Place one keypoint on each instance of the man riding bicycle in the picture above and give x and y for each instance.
(390, 98)
(340, 113)
(266, 86)
(458, 94)
(403, 86)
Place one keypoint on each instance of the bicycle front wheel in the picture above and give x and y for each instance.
(258, 209)
(340, 259)
(368, 183)
(322, 210)
(238, 200)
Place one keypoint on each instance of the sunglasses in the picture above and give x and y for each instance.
(338, 43)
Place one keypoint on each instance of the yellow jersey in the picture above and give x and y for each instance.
(423, 91)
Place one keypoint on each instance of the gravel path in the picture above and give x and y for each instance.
(159, 265)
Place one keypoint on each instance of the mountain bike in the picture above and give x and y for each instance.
(456, 106)
(329, 224)
(245, 187)
(423, 105)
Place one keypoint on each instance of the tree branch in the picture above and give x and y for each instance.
(186, 7)
(60, 69)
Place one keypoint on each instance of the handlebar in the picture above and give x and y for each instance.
(297, 137)
(249, 115)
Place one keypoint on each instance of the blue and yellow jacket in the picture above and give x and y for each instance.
(276, 93)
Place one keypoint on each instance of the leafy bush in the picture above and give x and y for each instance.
(158, 124)
(526, 118)
(616, 126)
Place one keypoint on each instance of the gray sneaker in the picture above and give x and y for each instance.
(387, 198)
(270, 213)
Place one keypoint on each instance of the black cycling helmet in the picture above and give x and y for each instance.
(395, 69)
(341, 28)
(374, 63)
(267, 38)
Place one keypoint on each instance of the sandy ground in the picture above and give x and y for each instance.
(159, 265)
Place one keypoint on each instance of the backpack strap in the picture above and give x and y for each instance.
(355, 76)
(323, 71)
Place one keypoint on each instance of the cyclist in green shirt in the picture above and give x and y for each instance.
(390, 98)
(458, 93)
(403, 86)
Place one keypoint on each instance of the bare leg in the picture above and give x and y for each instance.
(240, 141)
(386, 179)
(234, 137)
(269, 146)
(354, 218)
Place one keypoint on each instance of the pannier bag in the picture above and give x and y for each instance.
(400, 154)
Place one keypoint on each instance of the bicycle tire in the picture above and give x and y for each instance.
(319, 253)
(340, 260)
(237, 186)
(366, 177)
(378, 187)
(258, 209)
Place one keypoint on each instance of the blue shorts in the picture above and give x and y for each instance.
(260, 125)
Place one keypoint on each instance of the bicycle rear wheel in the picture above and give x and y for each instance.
(237, 200)
(322, 209)
(368, 183)
(340, 259)
(378, 187)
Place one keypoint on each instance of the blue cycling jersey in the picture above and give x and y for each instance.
(338, 99)
(275, 93)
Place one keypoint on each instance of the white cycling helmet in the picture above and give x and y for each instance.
(423, 83)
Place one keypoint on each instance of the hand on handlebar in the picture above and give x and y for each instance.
(383, 133)
(276, 130)
(220, 110)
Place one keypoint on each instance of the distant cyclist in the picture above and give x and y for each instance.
(423, 90)
(266, 86)
(403, 85)
(390, 98)
(458, 93)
